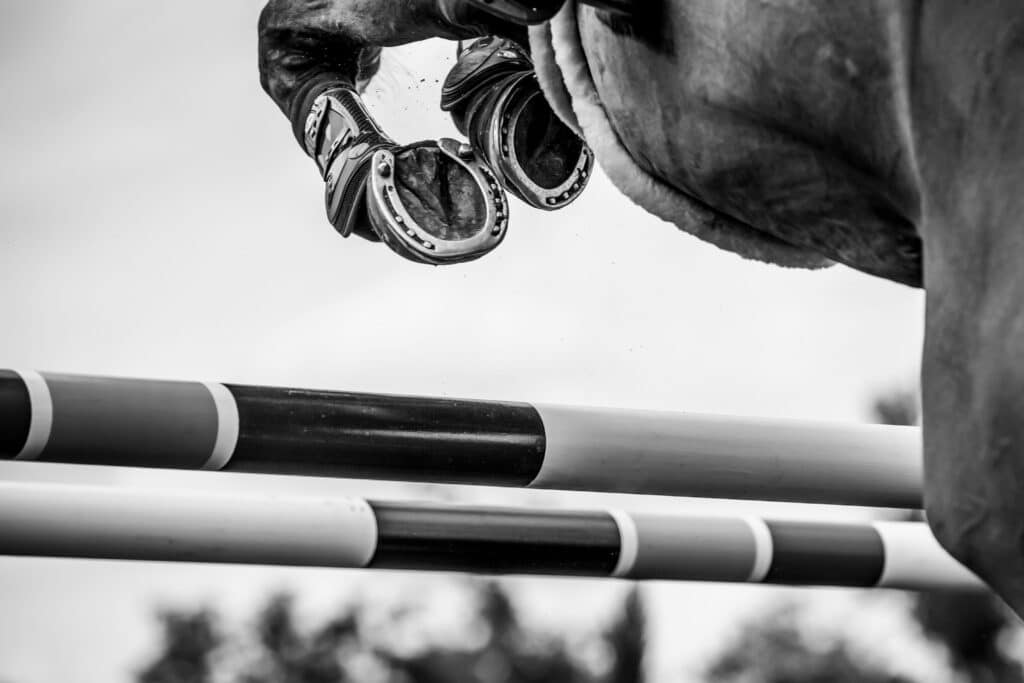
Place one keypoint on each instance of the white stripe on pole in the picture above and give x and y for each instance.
(628, 542)
(914, 559)
(41, 422)
(227, 426)
(764, 549)
(712, 456)
(68, 520)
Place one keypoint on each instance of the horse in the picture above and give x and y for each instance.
(887, 136)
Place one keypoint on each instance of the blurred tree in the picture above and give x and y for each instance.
(340, 649)
(189, 641)
(971, 627)
(509, 653)
(896, 407)
(773, 650)
(288, 656)
(625, 638)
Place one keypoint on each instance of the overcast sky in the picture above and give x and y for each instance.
(158, 219)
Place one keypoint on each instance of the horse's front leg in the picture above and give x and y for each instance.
(431, 202)
(308, 46)
(969, 122)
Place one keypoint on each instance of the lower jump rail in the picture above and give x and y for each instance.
(112, 522)
(194, 425)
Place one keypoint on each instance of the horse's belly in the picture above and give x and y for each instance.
(786, 116)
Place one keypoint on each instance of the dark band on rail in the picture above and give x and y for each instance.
(15, 414)
(825, 554)
(425, 439)
(494, 540)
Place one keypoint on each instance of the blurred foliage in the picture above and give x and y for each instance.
(626, 638)
(896, 407)
(189, 638)
(346, 648)
(286, 655)
(774, 650)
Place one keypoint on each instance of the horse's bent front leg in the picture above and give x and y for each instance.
(969, 119)
(430, 202)
(308, 46)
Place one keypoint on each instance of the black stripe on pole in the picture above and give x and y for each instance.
(813, 554)
(367, 436)
(494, 540)
(16, 410)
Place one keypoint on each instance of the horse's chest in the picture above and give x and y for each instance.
(784, 116)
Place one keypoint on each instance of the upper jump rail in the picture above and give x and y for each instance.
(193, 425)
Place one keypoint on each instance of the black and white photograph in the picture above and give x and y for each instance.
(512, 341)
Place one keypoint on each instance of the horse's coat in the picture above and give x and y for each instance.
(796, 165)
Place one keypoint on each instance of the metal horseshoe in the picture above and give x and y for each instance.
(359, 165)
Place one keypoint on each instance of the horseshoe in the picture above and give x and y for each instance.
(357, 161)
(404, 235)
(489, 93)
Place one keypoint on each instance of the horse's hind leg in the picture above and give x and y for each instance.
(968, 104)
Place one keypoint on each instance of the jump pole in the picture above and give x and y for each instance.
(195, 425)
(112, 522)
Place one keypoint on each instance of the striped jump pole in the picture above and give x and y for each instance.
(111, 522)
(195, 425)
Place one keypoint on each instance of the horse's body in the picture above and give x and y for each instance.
(885, 135)
(781, 139)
